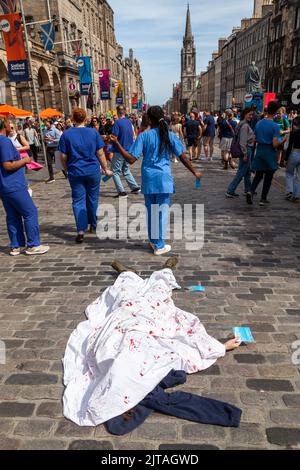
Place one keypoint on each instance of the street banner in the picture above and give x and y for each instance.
(48, 36)
(84, 89)
(8, 6)
(11, 27)
(119, 93)
(104, 79)
(134, 101)
(140, 105)
(77, 47)
(85, 70)
(90, 100)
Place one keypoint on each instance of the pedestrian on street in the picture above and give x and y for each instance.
(193, 133)
(123, 130)
(293, 163)
(209, 133)
(157, 146)
(82, 151)
(21, 212)
(227, 131)
(176, 127)
(32, 138)
(265, 164)
(51, 137)
(285, 129)
(245, 138)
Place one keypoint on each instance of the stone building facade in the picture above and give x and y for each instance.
(283, 67)
(91, 22)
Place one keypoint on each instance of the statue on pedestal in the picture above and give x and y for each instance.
(253, 79)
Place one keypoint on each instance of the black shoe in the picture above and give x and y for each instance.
(93, 230)
(289, 196)
(79, 238)
(136, 191)
(249, 198)
(231, 196)
(121, 195)
(264, 202)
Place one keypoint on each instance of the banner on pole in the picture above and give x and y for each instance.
(85, 70)
(48, 36)
(140, 105)
(90, 100)
(134, 101)
(11, 27)
(119, 93)
(104, 78)
(84, 89)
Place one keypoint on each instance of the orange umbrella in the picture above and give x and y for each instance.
(6, 110)
(50, 113)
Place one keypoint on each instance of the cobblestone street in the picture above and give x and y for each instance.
(250, 265)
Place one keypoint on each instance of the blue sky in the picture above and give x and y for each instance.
(155, 28)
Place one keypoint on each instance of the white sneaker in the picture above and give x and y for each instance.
(152, 246)
(163, 251)
(30, 192)
(37, 250)
(16, 251)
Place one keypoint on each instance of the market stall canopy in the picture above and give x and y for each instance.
(6, 110)
(50, 113)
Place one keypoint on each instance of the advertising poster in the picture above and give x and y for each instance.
(104, 78)
(11, 27)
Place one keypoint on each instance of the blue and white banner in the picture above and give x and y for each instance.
(85, 70)
(85, 89)
(48, 36)
(18, 71)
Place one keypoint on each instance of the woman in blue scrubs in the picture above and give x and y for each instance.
(157, 147)
(19, 207)
(82, 154)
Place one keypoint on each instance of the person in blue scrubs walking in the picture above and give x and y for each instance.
(82, 155)
(157, 147)
(19, 207)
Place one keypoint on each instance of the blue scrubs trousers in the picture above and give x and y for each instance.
(180, 404)
(21, 213)
(85, 195)
(158, 206)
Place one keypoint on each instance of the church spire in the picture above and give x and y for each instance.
(188, 27)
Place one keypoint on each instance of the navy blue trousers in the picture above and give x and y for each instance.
(180, 404)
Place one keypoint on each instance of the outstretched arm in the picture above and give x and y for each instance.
(185, 161)
(128, 157)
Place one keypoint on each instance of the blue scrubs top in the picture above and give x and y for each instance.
(10, 181)
(81, 145)
(156, 168)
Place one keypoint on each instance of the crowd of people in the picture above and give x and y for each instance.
(254, 143)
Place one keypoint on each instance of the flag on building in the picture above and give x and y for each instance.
(119, 93)
(104, 79)
(77, 46)
(134, 101)
(12, 30)
(90, 100)
(8, 6)
(48, 36)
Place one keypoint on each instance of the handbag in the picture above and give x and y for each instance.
(33, 166)
(236, 149)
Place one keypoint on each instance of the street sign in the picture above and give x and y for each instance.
(72, 86)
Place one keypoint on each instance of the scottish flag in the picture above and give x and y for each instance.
(48, 36)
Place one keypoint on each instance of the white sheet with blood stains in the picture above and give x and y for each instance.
(133, 338)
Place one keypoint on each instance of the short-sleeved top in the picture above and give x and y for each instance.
(210, 130)
(10, 181)
(81, 145)
(192, 129)
(124, 131)
(227, 128)
(156, 167)
(266, 131)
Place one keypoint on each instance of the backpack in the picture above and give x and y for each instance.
(236, 149)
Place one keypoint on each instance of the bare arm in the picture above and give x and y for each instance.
(64, 159)
(186, 162)
(103, 162)
(13, 166)
(25, 144)
(128, 157)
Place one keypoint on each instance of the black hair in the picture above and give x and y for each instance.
(245, 112)
(156, 117)
(273, 107)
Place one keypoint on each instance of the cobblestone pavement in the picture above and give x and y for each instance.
(250, 266)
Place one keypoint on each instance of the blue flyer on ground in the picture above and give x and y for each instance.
(244, 333)
(197, 289)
